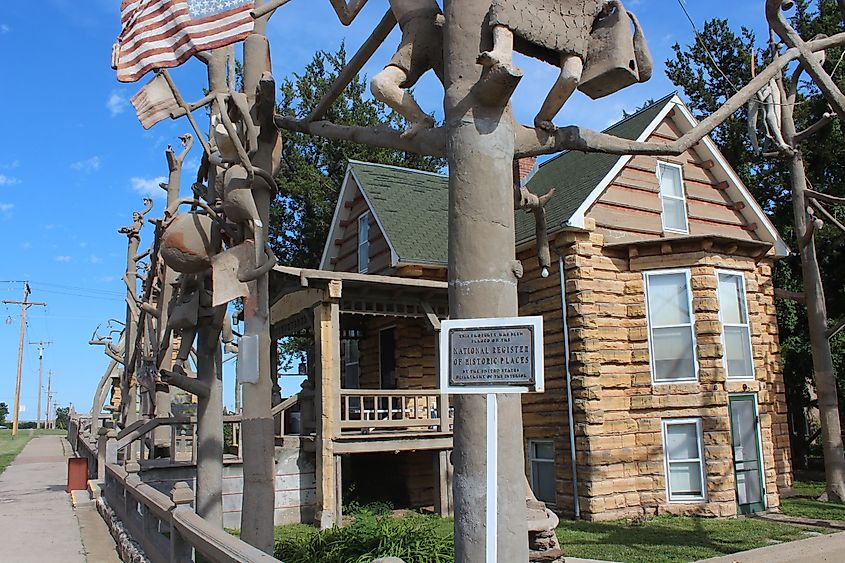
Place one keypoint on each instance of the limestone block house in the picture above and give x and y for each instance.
(664, 391)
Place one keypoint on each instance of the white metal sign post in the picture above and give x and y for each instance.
(491, 356)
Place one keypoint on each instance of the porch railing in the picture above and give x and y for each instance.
(373, 410)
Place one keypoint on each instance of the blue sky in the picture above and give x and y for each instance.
(75, 162)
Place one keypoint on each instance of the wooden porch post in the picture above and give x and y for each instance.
(327, 363)
(442, 469)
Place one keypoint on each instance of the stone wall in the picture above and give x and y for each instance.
(618, 411)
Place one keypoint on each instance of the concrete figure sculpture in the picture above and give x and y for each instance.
(769, 99)
(590, 40)
(420, 50)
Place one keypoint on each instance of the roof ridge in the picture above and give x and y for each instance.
(394, 167)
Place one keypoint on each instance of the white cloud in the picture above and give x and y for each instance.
(95, 259)
(11, 166)
(63, 259)
(4, 207)
(4, 28)
(8, 180)
(116, 103)
(88, 165)
(26, 244)
(148, 186)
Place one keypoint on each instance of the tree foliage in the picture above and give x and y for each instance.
(4, 412)
(707, 82)
(312, 168)
(62, 417)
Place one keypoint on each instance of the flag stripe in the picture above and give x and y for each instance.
(166, 33)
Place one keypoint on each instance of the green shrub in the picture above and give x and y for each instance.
(414, 538)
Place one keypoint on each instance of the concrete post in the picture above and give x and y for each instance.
(102, 440)
(482, 273)
(257, 425)
(180, 550)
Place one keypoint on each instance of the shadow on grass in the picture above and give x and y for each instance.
(670, 539)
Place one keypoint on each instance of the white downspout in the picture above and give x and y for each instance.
(568, 386)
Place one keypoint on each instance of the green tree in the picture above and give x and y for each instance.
(4, 412)
(312, 168)
(62, 417)
(708, 77)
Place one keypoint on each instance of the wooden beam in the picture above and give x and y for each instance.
(327, 351)
(836, 329)
(294, 303)
(797, 296)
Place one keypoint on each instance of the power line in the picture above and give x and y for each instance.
(682, 4)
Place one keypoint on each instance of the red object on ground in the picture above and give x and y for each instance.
(77, 474)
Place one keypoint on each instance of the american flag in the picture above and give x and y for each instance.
(166, 33)
(154, 102)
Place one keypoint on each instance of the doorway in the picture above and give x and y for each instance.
(748, 463)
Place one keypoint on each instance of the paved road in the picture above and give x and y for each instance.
(37, 520)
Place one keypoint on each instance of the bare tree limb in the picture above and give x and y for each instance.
(532, 142)
(812, 194)
(814, 68)
(813, 225)
(827, 214)
(797, 296)
(351, 70)
(189, 384)
(265, 9)
(820, 124)
(835, 329)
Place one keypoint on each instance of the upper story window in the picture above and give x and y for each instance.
(363, 242)
(736, 334)
(671, 180)
(670, 321)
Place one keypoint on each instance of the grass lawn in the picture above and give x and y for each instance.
(806, 505)
(11, 447)
(662, 539)
(670, 538)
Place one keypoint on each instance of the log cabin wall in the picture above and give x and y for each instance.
(346, 238)
(630, 208)
(618, 411)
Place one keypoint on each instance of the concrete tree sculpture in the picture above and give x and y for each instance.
(778, 100)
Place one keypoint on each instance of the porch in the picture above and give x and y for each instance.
(372, 380)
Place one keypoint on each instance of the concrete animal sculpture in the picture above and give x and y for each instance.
(420, 50)
(189, 241)
(589, 40)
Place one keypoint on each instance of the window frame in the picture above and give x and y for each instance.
(346, 363)
(646, 275)
(746, 325)
(532, 459)
(662, 196)
(665, 423)
(365, 216)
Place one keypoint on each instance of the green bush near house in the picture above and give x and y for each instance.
(415, 538)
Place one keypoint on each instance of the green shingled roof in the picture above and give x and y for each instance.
(575, 174)
(412, 206)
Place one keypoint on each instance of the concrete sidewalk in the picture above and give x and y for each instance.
(818, 549)
(37, 520)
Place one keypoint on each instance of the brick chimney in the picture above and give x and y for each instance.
(523, 169)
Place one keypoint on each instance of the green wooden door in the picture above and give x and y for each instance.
(748, 467)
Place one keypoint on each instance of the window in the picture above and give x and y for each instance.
(671, 336)
(682, 447)
(353, 371)
(736, 334)
(363, 242)
(672, 197)
(541, 458)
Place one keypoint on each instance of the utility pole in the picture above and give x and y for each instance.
(41, 344)
(25, 304)
(49, 397)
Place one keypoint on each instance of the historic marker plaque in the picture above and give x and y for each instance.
(492, 355)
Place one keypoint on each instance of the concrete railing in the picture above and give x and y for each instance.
(166, 527)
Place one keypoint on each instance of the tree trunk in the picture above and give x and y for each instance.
(209, 500)
(482, 281)
(823, 372)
